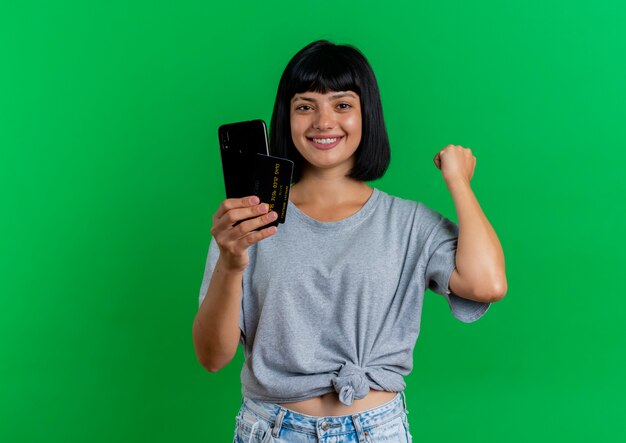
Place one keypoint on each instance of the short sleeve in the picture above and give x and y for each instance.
(211, 261)
(441, 249)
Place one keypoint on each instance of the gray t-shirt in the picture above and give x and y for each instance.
(337, 305)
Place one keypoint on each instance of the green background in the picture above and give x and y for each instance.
(110, 175)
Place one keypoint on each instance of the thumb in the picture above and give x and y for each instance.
(437, 161)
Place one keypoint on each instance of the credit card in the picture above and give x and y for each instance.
(271, 180)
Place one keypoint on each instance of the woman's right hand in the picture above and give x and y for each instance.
(234, 241)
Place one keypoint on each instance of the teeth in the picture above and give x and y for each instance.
(325, 141)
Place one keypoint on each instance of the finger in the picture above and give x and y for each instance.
(233, 203)
(255, 237)
(238, 214)
(245, 228)
(231, 236)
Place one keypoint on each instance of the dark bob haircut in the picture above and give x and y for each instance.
(323, 67)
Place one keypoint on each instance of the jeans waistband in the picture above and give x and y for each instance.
(279, 417)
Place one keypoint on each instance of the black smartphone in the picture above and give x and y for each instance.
(240, 142)
(250, 170)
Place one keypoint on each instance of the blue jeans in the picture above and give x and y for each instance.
(263, 422)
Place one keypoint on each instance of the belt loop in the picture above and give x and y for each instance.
(278, 422)
(356, 419)
(404, 401)
(252, 431)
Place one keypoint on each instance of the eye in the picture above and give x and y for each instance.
(303, 108)
(344, 106)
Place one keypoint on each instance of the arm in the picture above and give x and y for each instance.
(480, 270)
(216, 331)
(479, 273)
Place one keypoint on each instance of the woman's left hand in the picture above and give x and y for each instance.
(455, 163)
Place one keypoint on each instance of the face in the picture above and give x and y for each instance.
(326, 128)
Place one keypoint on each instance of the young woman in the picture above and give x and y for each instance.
(328, 305)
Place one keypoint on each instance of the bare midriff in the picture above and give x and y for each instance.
(329, 405)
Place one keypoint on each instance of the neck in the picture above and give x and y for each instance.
(327, 188)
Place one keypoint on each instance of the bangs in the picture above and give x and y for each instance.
(321, 73)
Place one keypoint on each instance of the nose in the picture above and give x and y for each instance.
(324, 119)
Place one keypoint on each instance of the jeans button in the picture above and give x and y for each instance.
(325, 426)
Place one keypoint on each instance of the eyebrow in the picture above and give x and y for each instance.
(332, 97)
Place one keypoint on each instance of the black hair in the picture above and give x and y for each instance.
(323, 66)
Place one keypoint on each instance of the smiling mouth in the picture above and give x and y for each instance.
(324, 141)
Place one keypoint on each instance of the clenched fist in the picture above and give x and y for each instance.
(455, 163)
